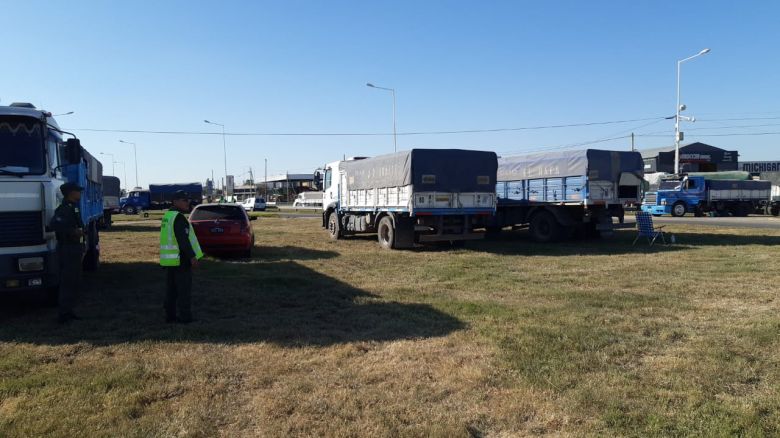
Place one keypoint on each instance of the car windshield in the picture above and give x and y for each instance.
(217, 212)
(21, 145)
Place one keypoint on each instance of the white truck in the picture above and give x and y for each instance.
(410, 197)
(308, 199)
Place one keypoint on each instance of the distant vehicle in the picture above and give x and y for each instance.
(416, 196)
(308, 199)
(223, 229)
(254, 203)
(111, 194)
(158, 197)
(702, 193)
(774, 204)
(560, 194)
(36, 161)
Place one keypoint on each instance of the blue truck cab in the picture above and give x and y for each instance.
(34, 162)
(677, 197)
(158, 197)
(701, 194)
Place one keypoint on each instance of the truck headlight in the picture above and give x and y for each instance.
(663, 201)
(31, 264)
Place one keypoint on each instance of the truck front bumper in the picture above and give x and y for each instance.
(12, 279)
(657, 209)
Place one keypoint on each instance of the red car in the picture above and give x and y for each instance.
(223, 229)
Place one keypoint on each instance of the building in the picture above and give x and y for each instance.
(766, 170)
(694, 157)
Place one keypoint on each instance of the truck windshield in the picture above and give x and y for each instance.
(21, 146)
(669, 185)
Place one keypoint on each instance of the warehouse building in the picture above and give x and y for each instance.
(694, 157)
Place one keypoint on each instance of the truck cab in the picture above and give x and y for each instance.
(34, 162)
(677, 196)
(135, 201)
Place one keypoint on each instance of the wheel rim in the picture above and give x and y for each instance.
(332, 225)
(679, 210)
(384, 233)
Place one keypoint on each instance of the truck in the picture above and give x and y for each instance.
(774, 202)
(35, 160)
(111, 194)
(558, 195)
(158, 197)
(308, 199)
(703, 193)
(411, 197)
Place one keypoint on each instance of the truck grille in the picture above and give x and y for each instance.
(21, 228)
(650, 198)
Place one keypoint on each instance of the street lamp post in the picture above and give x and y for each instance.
(679, 108)
(224, 150)
(113, 170)
(135, 155)
(392, 90)
(124, 170)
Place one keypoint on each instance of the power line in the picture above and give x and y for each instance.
(345, 134)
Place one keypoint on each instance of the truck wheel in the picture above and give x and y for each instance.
(774, 210)
(544, 227)
(386, 233)
(130, 210)
(678, 209)
(334, 227)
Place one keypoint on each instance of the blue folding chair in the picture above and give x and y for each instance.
(645, 228)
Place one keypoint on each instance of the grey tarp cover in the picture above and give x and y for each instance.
(596, 164)
(111, 186)
(453, 170)
(739, 185)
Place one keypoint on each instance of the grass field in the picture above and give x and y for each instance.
(503, 338)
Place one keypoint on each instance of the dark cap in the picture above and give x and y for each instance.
(70, 187)
(180, 194)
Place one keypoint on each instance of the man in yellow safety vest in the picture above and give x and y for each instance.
(179, 253)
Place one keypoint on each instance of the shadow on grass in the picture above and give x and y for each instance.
(282, 302)
(119, 227)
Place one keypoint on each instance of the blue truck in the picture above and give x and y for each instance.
(558, 195)
(702, 194)
(158, 197)
(35, 161)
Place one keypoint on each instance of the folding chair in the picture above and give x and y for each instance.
(645, 228)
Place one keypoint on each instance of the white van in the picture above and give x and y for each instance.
(254, 204)
(308, 199)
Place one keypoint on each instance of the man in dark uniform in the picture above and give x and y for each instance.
(178, 294)
(69, 229)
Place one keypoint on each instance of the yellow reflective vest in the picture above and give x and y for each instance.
(169, 247)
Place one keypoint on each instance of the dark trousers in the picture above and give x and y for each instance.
(70, 256)
(178, 293)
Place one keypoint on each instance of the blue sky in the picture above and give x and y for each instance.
(301, 67)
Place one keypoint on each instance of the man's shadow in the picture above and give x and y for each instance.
(271, 299)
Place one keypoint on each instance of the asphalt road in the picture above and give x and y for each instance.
(767, 222)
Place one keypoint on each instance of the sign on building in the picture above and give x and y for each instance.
(760, 166)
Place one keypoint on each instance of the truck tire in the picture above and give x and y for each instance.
(678, 209)
(334, 227)
(385, 233)
(91, 260)
(544, 227)
(774, 210)
(130, 210)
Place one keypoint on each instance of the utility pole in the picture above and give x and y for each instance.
(632, 142)
(265, 180)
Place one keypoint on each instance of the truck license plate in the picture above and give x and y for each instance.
(217, 230)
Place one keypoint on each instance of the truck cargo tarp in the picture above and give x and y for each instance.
(594, 163)
(435, 170)
(731, 175)
(111, 186)
(739, 185)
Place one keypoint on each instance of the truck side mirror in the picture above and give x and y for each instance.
(318, 180)
(73, 150)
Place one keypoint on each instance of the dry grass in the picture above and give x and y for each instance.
(504, 338)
